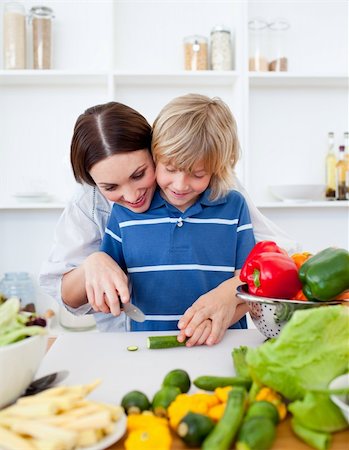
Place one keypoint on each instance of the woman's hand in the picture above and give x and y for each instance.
(220, 305)
(105, 282)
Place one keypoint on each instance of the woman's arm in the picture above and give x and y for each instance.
(220, 305)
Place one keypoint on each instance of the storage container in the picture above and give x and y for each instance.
(195, 53)
(258, 29)
(14, 36)
(41, 20)
(221, 49)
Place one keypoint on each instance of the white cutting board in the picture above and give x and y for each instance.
(89, 356)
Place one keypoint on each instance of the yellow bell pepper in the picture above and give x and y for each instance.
(273, 397)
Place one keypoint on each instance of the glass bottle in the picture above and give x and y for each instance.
(257, 45)
(18, 284)
(14, 36)
(221, 49)
(195, 53)
(41, 19)
(278, 45)
(331, 162)
(346, 160)
(341, 188)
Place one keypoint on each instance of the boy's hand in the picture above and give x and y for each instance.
(199, 336)
(105, 282)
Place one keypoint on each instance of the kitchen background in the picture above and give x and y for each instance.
(133, 51)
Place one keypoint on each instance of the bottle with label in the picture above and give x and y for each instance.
(221, 49)
(41, 19)
(346, 159)
(341, 188)
(14, 36)
(331, 162)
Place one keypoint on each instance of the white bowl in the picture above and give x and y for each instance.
(342, 401)
(19, 363)
(298, 192)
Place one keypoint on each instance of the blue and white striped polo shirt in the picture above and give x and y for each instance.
(174, 257)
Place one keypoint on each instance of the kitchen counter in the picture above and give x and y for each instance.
(105, 356)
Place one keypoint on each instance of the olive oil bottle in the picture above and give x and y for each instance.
(346, 160)
(331, 162)
(341, 188)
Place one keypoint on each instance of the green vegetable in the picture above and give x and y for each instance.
(210, 382)
(326, 274)
(224, 432)
(239, 360)
(179, 378)
(163, 398)
(317, 440)
(194, 428)
(156, 342)
(256, 433)
(135, 402)
(263, 409)
(317, 412)
(311, 350)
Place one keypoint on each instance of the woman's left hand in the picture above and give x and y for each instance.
(220, 306)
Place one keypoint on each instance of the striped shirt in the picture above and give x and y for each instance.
(174, 257)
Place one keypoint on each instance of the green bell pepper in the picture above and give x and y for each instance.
(326, 274)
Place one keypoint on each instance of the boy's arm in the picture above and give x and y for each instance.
(220, 305)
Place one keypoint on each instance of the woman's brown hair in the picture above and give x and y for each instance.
(106, 130)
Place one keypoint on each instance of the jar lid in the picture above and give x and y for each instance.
(220, 29)
(41, 11)
(279, 24)
(257, 23)
(195, 39)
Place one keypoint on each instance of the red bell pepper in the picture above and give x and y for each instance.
(261, 247)
(271, 274)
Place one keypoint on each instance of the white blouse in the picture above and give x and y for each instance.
(80, 230)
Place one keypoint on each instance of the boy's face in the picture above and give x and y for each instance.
(180, 188)
(127, 179)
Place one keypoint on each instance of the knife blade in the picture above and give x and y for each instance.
(132, 311)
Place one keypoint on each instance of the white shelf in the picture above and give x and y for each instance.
(319, 204)
(51, 77)
(199, 78)
(34, 206)
(287, 79)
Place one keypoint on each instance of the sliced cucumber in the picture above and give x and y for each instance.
(132, 348)
(156, 342)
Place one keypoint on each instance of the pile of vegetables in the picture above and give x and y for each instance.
(16, 324)
(270, 272)
(287, 375)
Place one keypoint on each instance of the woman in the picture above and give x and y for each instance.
(109, 140)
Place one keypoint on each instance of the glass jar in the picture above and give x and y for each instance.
(75, 323)
(18, 284)
(14, 36)
(221, 49)
(41, 19)
(278, 45)
(258, 29)
(195, 53)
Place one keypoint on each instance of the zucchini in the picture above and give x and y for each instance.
(163, 398)
(210, 382)
(193, 428)
(155, 342)
(179, 378)
(224, 432)
(263, 408)
(135, 402)
(256, 433)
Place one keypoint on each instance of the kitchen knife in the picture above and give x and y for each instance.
(132, 311)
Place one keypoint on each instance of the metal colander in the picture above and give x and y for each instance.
(270, 314)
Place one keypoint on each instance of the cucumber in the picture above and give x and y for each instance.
(263, 408)
(163, 398)
(256, 433)
(224, 432)
(194, 428)
(179, 378)
(135, 402)
(210, 383)
(155, 342)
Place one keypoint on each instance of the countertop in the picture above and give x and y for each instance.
(105, 356)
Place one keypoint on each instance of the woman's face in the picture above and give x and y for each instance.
(127, 179)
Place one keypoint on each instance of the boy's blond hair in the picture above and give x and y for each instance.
(194, 128)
